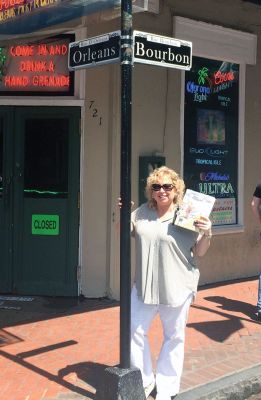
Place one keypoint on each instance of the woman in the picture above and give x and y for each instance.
(166, 280)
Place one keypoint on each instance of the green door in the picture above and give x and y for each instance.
(39, 191)
(5, 202)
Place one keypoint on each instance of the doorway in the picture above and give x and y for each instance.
(39, 196)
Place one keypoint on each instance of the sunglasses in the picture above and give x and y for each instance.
(166, 186)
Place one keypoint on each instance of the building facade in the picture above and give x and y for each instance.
(60, 143)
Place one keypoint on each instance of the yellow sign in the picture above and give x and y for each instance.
(10, 9)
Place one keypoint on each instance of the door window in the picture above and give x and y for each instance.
(1, 157)
(46, 158)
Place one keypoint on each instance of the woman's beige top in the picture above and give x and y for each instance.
(166, 272)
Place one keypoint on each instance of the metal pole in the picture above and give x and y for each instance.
(125, 252)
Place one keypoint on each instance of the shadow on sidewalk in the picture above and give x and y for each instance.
(92, 374)
(220, 330)
(88, 373)
(233, 305)
(15, 312)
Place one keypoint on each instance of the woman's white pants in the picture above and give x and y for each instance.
(170, 361)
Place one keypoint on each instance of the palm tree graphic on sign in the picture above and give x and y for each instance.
(202, 75)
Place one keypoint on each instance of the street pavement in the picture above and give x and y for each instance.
(58, 348)
(255, 397)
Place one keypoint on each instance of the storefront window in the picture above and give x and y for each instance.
(211, 135)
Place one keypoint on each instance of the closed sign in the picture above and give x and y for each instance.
(45, 224)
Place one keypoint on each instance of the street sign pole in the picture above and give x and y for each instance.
(124, 382)
(126, 116)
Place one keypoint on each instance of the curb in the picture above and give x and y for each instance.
(238, 386)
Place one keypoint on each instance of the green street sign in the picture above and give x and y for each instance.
(45, 224)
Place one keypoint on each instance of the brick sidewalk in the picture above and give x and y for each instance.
(58, 349)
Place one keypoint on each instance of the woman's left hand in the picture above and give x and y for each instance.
(204, 225)
(203, 242)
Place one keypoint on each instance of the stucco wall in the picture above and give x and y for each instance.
(94, 183)
(156, 129)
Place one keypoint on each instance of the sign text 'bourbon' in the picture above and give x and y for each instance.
(162, 51)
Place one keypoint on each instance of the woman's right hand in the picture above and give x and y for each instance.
(120, 202)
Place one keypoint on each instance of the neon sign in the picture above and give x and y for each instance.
(209, 83)
(216, 188)
(40, 50)
(203, 161)
(220, 77)
(213, 176)
(202, 75)
(6, 4)
(36, 68)
(10, 9)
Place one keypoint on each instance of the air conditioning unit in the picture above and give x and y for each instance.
(258, 2)
(146, 5)
(141, 5)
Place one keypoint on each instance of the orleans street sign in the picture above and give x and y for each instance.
(162, 51)
(94, 51)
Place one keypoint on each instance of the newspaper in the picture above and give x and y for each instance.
(194, 205)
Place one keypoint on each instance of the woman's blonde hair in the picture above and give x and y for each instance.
(177, 182)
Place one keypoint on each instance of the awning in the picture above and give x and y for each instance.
(25, 18)
(19, 17)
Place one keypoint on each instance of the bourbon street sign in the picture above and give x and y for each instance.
(161, 50)
(94, 51)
